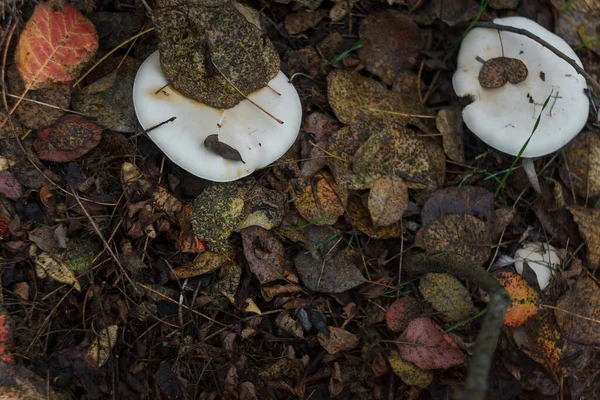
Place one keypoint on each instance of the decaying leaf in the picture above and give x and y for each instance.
(187, 242)
(225, 47)
(446, 122)
(10, 187)
(54, 46)
(264, 253)
(471, 200)
(69, 138)
(205, 263)
(223, 149)
(588, 221)
(524, 300)
(46, 265)
(578, 313)
(343, 146)
(338, 340)
(428, 346)
(332, 275)
(401, 312)
(388, 200)
(231, 273)
(101, 347)
(463, 234)
(496, 72)
(216, 213)
(409, 372)
(392, 43)
(447, 295)
(360, 217)
(321, 199)
(286, 322)
(263, 207)
(580, 168)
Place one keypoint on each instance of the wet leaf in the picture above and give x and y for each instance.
(205, 263)
(447, 295)
(101, 347)
(401, 312)
(332, 275)
(460, 233)
(409, 372)
(392, 44)
(46, 265)
(446, 123)
(322, 200)
(264, 253)
(496, 72)
(428, 346)
(224, 41)
(588, 221)
(541, 340)
(582, 301)
(54, 46)
(37, 116)
(580, 168)
(338, 340)
(471, 200)
(69, 138)
(216, 213)
(359, 216)
(223, 149)
(388, 200)
(524, 300)
(6, 337)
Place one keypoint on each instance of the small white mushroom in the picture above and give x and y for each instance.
(504, 117)
(542, 258)
(259, 138)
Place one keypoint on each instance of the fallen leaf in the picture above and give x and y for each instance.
(588, 221)
(332, 275)
(338, 340)
(428, 347)
(6, 337)
(69, 138)
(471, 200)
(460, 233)
(446, 123)
(388, 200)
(302, 20)
(321, 200)
(101, 347)
(524, 300)
(392, 44)
(205, 263)
(187, 242)
(496, 72)
(46, 265)
(359, 216)
(336, 383)
(447, 295)
(401, 312)
(286, 322)
(580, 168)
(231, 275)
(578, 313)
(262, 207)
(10, 187)
(264, 253)
(54, 46)
(409, 372)
(222, 149)
(49, 239)
(342, 147)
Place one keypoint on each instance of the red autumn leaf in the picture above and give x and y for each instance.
(401, 312)
(264, 253)
(69, 138)
(54, 46)
(428, 346)
(10, 186)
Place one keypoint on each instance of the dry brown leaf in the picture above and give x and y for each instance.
(359, 216)
(388, 200)
(588, 221)
(336, 383)
(333, 275)
(338, 340)
(580, 168)
(205, 263)
(46, 265)
(578, 313)
(446, 123)
(321, 200)
(101, 347)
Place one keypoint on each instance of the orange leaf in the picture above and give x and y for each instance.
(54, 46)
(524, 300)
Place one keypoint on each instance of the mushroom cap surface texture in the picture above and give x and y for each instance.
(504, 117)
(259, 139)
(542, 258)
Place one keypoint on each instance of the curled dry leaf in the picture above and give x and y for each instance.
(580, 168)
(588, 221)
(409, 372)
(447, 295)
(332, 275)
(54, 46)
(101, 347)
(388, 200)
(391, 45)
(321, 199)
(338, 340)
(524, 300)
(428, 347)
(264, 253)
(69, 138)
(401, 312)
(582, 301)
(460, 233)
(46, 265)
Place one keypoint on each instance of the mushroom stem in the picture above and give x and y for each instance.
(529, 168)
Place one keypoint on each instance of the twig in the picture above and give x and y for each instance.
(558, 53)
(152, 128)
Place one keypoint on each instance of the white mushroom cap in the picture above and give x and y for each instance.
(259, 139)
(542, 258)
(504, 117)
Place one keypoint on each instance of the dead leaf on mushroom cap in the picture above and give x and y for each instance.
(392, 43)
(330, 275)
(69, 138)
(588, 221)
(582, 300)
(496, 72)
(197, 38)
(580, 168)
(460, 233)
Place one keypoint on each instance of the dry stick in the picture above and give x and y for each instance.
(558, 53)
(152, 128)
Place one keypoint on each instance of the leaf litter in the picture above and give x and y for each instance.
(311, 260)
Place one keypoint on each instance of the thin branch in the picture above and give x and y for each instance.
(558, 53)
